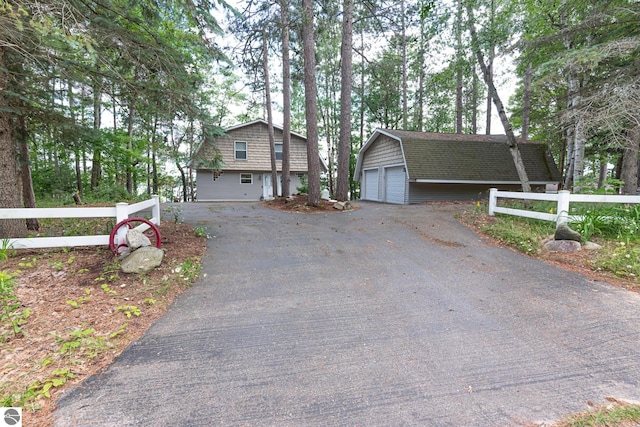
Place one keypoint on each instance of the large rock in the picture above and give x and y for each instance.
(142, 260)
(136, 239)
(566, 246)
(563, 232)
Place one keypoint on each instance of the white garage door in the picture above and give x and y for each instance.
(371, 184)
(394, 183)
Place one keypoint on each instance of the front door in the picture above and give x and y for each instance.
(267, 186)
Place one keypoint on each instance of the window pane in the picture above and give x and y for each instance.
(278, 151)
(246, 178)
(240, 150)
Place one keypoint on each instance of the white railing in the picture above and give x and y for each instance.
(563, 199)
(119, 212)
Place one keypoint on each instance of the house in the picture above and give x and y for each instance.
(404, 167)
(246, 171)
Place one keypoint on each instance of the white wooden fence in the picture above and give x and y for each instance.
(119, 212)
(563, 200)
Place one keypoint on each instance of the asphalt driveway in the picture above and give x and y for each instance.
(387, 315)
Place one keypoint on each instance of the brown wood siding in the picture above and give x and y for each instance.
(384, 151)
(258, 153)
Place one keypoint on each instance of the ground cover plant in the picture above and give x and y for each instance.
(67, 313)
(615, 227)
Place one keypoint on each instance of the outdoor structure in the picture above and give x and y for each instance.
(405, 167)
(246, 173)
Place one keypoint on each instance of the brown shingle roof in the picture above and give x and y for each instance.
(483, 158)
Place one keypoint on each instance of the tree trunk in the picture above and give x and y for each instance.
(602, 175)
(28, 196)
(405, 102)
(492, 57)
(526, 102)
(310, 101)
(286, 101)
(129, 161)
(629, 173)
(267, 97)
(344, 142)
(474, 102)
(10, 191)
(508, 129)
(459, 85)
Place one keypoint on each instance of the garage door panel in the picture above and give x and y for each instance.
(371, 185)
(395, 185)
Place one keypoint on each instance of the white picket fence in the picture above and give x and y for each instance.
(562, 198)
(120, 211)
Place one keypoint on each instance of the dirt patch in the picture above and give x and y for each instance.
(84, 312)
(298, 204)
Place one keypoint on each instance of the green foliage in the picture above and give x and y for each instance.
(129, 310)
(304, 185)
(188, 270)
(82, 343)
(78, 302)
(173, 212)
(622, 260)
(611, 415)
(11, 315)
(6, 250)
(609, 221)
(522, 233)
(201, 232)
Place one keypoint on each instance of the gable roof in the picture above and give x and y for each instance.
(438, 157)
(264, 122)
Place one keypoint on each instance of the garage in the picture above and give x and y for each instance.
(371, 184)
(394, 185)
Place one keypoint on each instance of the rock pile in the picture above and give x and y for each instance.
(567, 240)
(140, 256)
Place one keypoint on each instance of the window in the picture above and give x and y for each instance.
(240, 150)
(246, 178)
(278, 150)
(217, 175)
(301, 175)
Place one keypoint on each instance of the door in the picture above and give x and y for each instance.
(371, 184)
(394, 185)
(267, 186)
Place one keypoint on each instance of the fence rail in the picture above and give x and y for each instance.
(563, 200)
(120, 212)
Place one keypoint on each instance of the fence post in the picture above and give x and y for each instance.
(155, 212)
(122, 212)
(563, 207)
(493, 200)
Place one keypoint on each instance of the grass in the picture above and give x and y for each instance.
(615, 227)
(618, 414)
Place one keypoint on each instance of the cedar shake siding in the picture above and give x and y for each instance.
(441, 167)
(255, 159)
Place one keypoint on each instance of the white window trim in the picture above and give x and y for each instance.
(245, 174)
(235, 150)
(281, 151)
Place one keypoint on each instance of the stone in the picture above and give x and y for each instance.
(341, 206)
(563, 232)
(136, 239)
(565, 246)
(142, 260)
(324, 194)
(591, 246)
